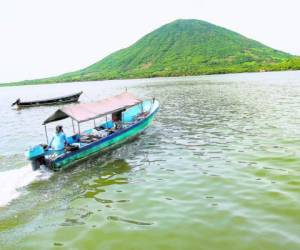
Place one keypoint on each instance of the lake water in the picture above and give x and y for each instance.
(218, 169)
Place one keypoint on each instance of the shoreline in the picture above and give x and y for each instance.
(22, 83)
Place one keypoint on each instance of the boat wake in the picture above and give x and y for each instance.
(12, 180)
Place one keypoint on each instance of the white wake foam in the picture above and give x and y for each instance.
(12, 180)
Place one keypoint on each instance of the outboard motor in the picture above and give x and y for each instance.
(36, 155)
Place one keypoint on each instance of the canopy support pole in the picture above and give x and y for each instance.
(78, 128)
(46, 134)
(73, 126)
(152, 103)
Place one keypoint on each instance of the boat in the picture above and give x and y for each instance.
(123, 117)
(51, 101)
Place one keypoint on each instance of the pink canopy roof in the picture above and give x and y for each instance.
(88, 111)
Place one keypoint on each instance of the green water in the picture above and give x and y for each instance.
(218, 169)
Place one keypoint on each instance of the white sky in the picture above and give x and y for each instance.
(40, 38)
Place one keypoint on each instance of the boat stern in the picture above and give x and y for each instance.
(36, 156)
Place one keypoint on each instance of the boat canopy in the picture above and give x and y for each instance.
(89, 111)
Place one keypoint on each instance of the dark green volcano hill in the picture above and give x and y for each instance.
(184, 47)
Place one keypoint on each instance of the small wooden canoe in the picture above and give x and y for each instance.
(51, 101)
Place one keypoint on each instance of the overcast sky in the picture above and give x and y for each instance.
(42, 38)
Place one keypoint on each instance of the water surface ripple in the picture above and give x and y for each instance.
(218, 169)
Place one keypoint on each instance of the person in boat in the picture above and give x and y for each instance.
(117, 120)
(59, 140)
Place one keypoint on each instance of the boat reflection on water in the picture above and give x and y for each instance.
(108, 175)
(102, 175)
